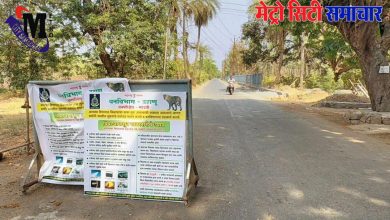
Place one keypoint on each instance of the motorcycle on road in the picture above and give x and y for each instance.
(230, 88)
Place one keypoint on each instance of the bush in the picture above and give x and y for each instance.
(326, 82)
(353, 75)
(289, 79)
(269, 80)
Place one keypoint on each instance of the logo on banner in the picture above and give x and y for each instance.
(295, 12)
(44, 95)
(94, 101)
(36, 26)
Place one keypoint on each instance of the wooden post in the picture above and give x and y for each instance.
(27, 105)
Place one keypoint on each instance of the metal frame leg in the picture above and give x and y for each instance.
(38, 159)
(192, 180)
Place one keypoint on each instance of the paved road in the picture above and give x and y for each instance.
(256, 161)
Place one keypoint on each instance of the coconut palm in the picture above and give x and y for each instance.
(181, 11)
(203, 12)
(175, 16)
(204, 53)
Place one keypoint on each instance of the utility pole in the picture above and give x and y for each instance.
(223, 70)
(233, 63)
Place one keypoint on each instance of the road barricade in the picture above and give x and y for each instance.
(131, 141)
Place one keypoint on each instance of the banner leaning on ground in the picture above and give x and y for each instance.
(135, 145)
(58, 118)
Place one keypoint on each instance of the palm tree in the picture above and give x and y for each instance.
(204, 53)
(175, 16)
(182, 10)
(203, 11)
(187, 11)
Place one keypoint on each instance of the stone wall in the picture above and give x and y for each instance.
(355, 117)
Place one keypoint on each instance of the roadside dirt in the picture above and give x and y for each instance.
(297, 95)
(315, 95)
(12, 198)
(333, 116)
(302, 101)
(347, 98)
(13, 122)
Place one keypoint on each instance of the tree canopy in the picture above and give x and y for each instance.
(104, 38)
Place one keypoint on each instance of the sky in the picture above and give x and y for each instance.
(219, 34)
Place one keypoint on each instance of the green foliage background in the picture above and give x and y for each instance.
(94, 39)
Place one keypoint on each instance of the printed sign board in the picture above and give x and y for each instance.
(384, 69)
(59, 124)
(135, 145)
(117, 139)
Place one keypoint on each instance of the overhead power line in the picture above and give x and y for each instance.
(212, 41)
(224, 26)
(229, 3)
(234, 10)
(226, 36)
(231, 13)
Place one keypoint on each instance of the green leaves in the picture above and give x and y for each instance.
(203, 11)
(127, 35)
(97, 39)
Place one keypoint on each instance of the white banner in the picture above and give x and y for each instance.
(58, 118)
(135, 145)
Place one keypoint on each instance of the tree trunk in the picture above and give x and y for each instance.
(278, 73)
(281, 40)
(167, 36)
(371, 54)
(378, 85)
(197, 64)
(371, 45)
(107, 62)
(95, 32)
(197, 45)
(303, 63)
(176, 49)
(185, 55)
(166, 52)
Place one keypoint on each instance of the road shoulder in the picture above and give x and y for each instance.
(380, 132)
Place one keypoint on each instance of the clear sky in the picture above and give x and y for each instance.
(218, 35)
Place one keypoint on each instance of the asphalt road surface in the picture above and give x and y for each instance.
(256, 161)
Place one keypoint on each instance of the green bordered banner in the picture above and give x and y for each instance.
(63, 179)
(156, 113)
(135, 145)
(134, 196)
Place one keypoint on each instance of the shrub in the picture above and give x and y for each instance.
(326, 82)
